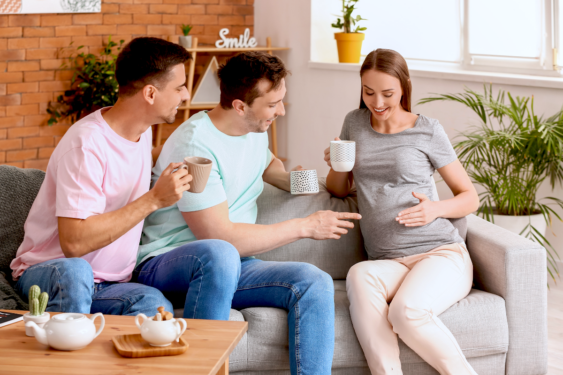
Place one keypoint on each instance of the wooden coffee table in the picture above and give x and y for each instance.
(211, 343)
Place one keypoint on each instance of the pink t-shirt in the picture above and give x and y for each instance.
(92, 171)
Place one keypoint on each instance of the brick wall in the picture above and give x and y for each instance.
(32, 48)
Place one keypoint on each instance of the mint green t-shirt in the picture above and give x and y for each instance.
(236, 177)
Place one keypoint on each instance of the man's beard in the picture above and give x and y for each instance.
(253, 124)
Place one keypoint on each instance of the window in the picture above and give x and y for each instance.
(512, 36)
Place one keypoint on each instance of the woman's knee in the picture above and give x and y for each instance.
(407, 316)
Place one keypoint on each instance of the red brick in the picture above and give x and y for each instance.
(56, 20)
(36, 120)
(55, 42)
(10, 32)
(234, 2)
(22, 110)
(10, 122)
(51, 64)
(11, 77)
(42, 97)
(39, 76)
(110, 8)
(205, 1)
(57, 140)
(21, 155)
(43, 108)
(62, 75)
(175, 19)
(23, 66)
(38, 31)
(6, 100)
(54, 86)
(17, 88)
(2, 156)
(205, 20)
(18, 164)
(250, 2)
(246, 10)
(87, 19)
(191, 9)
(120, 1)
(37, 164)
(23, 132)
(86, 41)
(45, 152)
(54, 130)
(2, 89)
(117, 19)
(147, 19)
(79, 30)
(3, 43)
(10, 144)
(133, 8)
(39, 54)
(17, 43)
(25, 20)
(3, 21)
(231, 20)
(132, 29)
(164, 8)
(219, 9)
(147, 1)
(179, 2)
(101, 30)
(161, 30)
(46, 141)
(249, 20)
(12, 54)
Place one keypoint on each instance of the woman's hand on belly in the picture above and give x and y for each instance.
(423, 213)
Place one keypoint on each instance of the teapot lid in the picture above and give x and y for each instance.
(68, 317)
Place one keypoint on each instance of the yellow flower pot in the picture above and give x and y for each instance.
(349, 46)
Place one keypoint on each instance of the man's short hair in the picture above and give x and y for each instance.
(240, 75)
(146, 61)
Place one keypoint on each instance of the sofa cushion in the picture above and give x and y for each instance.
(335, 257)
(18, 189)
(478, 322)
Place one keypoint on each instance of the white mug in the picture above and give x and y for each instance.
(342, 155)
(304, 182)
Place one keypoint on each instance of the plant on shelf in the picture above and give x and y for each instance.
(349, 41)
(510, 154)
(186, 40)
(93, 84)
(37, 301)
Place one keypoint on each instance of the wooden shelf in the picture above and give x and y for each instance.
(215, 49)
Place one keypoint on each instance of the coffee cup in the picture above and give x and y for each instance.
(200, 169)
(342, 155)
(304, 182)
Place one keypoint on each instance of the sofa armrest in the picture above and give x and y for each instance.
(514, 268)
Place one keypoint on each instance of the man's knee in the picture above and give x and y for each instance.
(221, 258)
(73, 270)
(317, 281)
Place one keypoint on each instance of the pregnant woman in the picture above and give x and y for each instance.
(419, 265)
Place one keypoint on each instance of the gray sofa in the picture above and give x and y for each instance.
(501, 325)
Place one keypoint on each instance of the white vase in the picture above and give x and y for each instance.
(186, 41)
(40, 320)
(516, 224)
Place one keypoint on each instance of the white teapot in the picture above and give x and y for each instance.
(160, 332)
(68, 331)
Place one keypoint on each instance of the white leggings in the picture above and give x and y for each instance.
(404, 297)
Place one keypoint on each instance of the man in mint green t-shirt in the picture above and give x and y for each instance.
(175, 255)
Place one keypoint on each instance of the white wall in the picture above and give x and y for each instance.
(319, 99)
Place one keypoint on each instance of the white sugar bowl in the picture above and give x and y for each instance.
(160, 332)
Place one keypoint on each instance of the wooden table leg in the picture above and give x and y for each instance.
(224, 370)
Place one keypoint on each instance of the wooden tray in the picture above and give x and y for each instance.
(134, 346)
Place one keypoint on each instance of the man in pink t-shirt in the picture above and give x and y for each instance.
(82, 233)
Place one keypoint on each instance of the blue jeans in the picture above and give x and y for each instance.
(71, 288)
(209, 277)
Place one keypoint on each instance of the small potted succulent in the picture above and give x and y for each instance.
(349, 41)
(186, 40)
(37, 305)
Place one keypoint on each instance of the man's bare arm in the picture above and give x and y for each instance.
(79, 237)
(276, 175)
(252, 239)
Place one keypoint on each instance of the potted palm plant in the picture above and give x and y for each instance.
(349, 41)
(186, 40)
(510, 154)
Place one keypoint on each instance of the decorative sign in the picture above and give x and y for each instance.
(243, 41)
(49, 6)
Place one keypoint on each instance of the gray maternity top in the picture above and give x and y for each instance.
(388, 168)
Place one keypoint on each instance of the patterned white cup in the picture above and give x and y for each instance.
(304, 182)
(342, 155)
